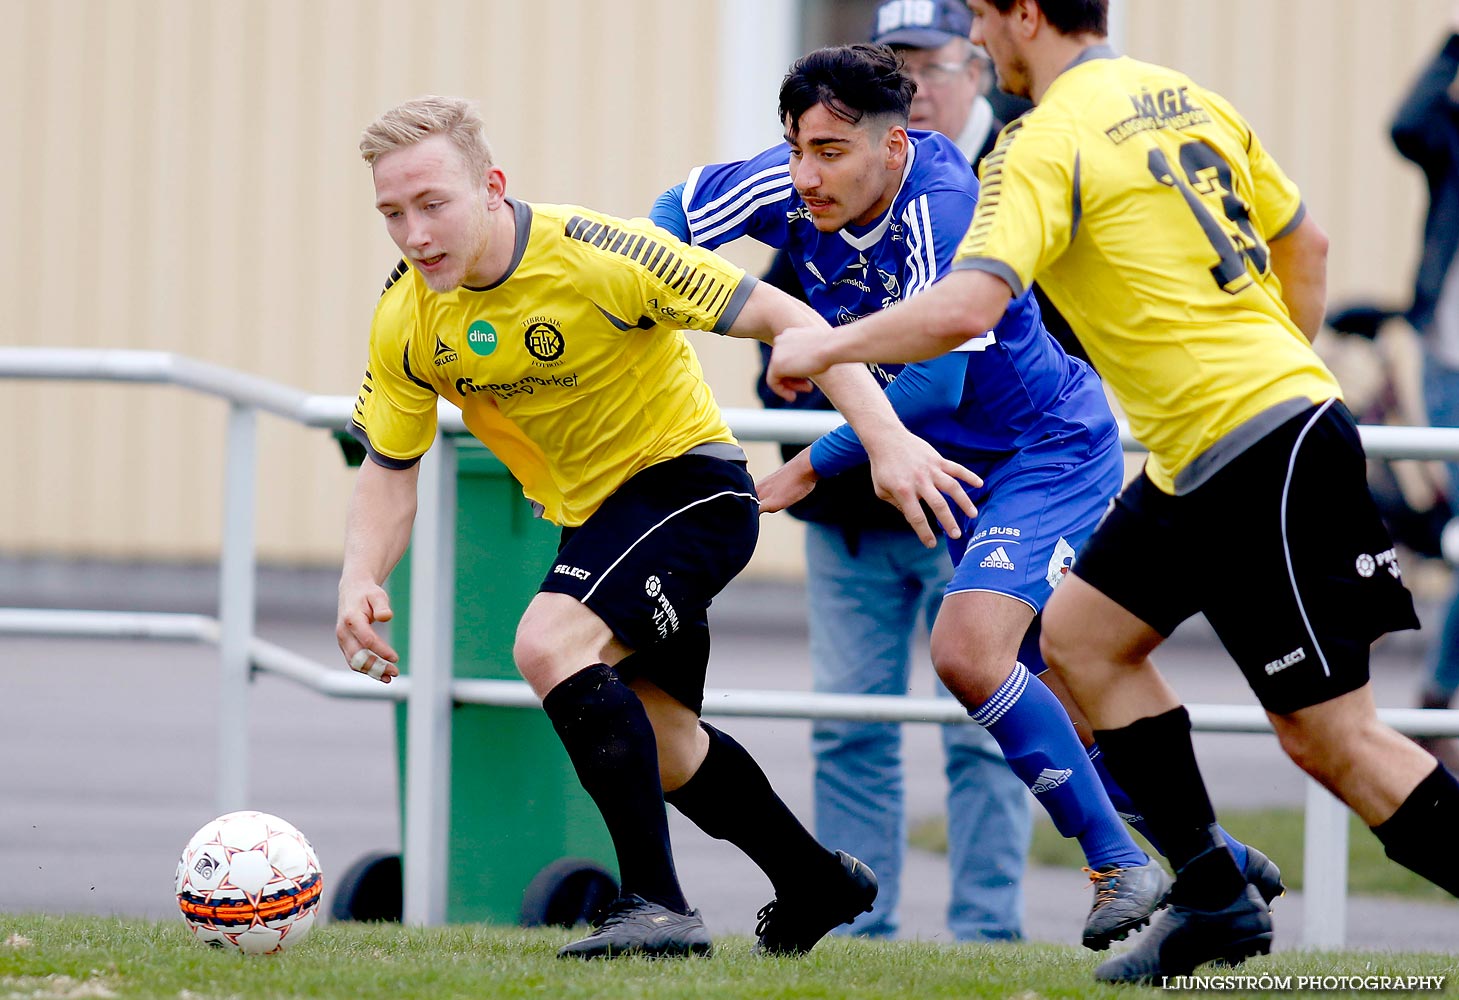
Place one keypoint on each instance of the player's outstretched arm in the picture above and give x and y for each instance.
(906, 470)
(1300, 261)
(377, 531)
(788, 484)
(961, 306)
(765, 314)
(792, 481)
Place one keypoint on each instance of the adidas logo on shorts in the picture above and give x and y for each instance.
(1049, 779)
(997, 559)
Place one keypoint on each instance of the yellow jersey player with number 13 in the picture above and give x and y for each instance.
(1182, 255)
(1155, 169)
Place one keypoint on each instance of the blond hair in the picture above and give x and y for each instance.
(422, 118)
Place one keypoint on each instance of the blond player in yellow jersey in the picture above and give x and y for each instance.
(1159, 225)
(556, 330)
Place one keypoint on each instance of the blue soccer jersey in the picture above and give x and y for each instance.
(1011, 393)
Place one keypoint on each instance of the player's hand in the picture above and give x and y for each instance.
(787, 484)
(360, 606)
(799, 354)
(911, 474)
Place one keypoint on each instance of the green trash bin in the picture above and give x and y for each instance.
(526, 842)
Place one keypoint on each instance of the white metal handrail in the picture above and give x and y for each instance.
(431, 690)
(267, 657)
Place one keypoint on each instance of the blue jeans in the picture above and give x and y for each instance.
(863, 610)
(1441, 397)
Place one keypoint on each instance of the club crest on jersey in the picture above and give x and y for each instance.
(1059, 563)
(544, 341)
(890, 283)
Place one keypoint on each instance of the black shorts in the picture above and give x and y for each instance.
(1283, 551)
(652, 557)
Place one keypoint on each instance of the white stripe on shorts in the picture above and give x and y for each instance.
(1286, 546)
(604, 575)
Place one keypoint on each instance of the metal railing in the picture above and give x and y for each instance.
(430, 691)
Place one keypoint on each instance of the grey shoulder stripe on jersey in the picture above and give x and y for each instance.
(358, 432)
(737, 301)
(996, 268)
(1293, 224)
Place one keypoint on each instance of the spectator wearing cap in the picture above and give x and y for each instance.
(870, 585)
(952, 73)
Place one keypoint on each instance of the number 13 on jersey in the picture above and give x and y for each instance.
(1202, 172)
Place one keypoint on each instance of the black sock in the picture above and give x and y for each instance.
(1415, 836)
(730, 799)
(607, 734)
(1154, 762)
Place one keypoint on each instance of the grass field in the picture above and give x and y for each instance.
(98, 957)
(1278, 832)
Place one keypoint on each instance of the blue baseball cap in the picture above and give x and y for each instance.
(921, 24)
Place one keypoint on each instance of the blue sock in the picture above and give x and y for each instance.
(1238, 849)
(1130, 813)
(1039, 742)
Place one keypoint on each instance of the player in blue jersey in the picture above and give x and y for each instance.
(872, 214)
(871, 585)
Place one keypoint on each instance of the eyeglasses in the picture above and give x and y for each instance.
(938, 74)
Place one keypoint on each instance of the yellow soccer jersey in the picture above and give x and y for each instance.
(572, 369)
(1143, 205)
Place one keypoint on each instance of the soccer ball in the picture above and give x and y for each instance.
(249, 881)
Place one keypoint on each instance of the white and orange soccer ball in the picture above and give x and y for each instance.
(250, 881)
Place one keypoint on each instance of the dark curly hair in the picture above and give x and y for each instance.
(853, 81)
(1069, 17)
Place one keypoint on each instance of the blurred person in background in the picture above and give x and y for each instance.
(1378, 360)
(1426, 131)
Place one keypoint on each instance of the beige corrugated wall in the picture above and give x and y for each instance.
(180, 175)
